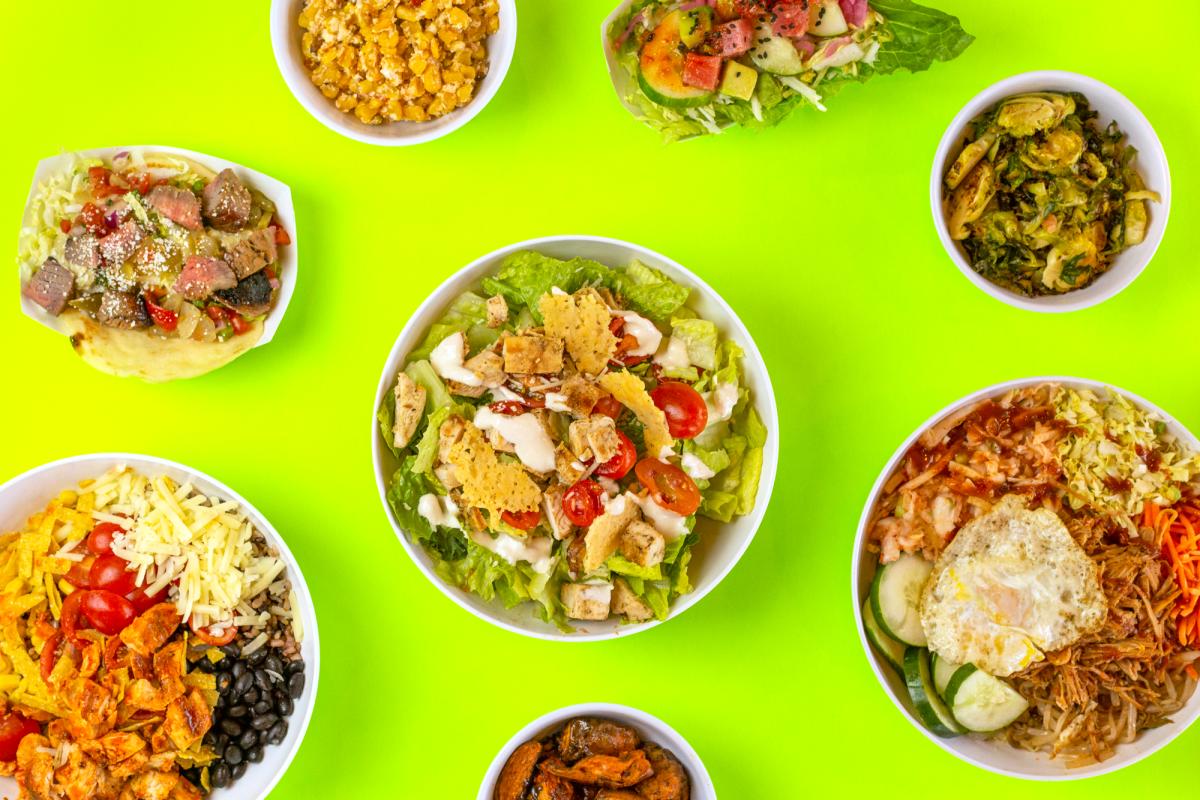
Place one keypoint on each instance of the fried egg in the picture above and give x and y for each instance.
(1012, 585)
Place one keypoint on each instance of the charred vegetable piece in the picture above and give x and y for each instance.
(518, 772)
(251, 297)
(587, 736)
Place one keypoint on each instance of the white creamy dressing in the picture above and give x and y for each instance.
(673, 357)
(535, 549)
(504, 393)
(615, 506)
(668, 523)
(440, 512)
(696, 469)
(557, 402)
(610, 487)
(557, 292)
(720, 402)
(525, 433)
(447, 360)
(648, 336)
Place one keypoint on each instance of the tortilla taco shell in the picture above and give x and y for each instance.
(139, 354)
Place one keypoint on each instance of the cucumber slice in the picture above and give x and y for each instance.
(775, 54)
(981, 702)
(932, 711)
(943, 671)
(891, 650)
(829, 19)
(661, 62)
(896, 598)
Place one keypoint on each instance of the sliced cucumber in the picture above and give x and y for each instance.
(775, 54)
(981, 702)
(896, 598)
(933, 712)
(829, 19)
(943, 671)
(661, 68)
(891, 650)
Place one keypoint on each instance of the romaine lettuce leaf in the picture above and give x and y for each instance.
(700, 337)
(427, 445)
(623, 566)
(387, 421)
(436, 393)
(467, 314)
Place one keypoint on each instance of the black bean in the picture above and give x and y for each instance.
(237, 712)
(284, 706)
(296, 685)
(251, 697)
(231, 650)
(262, 707)
(219, 775)
(231, 728)
(264, 722)
(256, 658)
(239, 770)
(224, 680)
(294, 666)
(238, 669)
(274, 663)
(255, 755)
(278, 732)
(233, 755)
(248, 739)
(243, 684)
(220, 742)
(262, 680)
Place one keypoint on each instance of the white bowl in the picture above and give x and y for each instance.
(29, 493)
(651, 729)
(1109, 104)
(720, 545)
(276, 191)
(285, 41)
(996, 756)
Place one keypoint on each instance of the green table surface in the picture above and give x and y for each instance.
(818, 233)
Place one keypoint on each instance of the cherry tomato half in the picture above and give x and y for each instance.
(609, 406)
(509, 408)
(206, 635)
(99, 541)
(50, 654)
(92, 218)
(163, 317)
(142, 601)
(13, 728)
(524, 520)
(619, 465)
(240, 324)
(669, 486)
(581, 503)
(68, 617)
(111, 572)
(686, 412)
(109, 612)
(79, 575)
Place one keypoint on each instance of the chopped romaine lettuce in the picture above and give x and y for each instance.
(467, 314)
(436, 393)
(623, 566)
(700, 337)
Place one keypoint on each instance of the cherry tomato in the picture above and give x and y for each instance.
(50, 652)
(109, 612)
(205, 635)
(609, 406)
(619, 465)
(281, 236)
(143, 602)
(99, 541)
(80, 573)
(142, 181)
(91, 216)
(524, 520)
(102, 187)
(240, 324)
(164, 318)
(68, 618)
(581, 503)
(686, 412)
(65, 225)
(509, 408)
(116, 654)
(13, 728)
(110, 572)
(669, 486)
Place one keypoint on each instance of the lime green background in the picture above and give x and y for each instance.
(818, 233)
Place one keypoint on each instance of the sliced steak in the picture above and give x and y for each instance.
(251, 297)
(82, 250)
(227, 202)
(120, 244)
(253, 253)
(122, 310)
(203, 275)
(178, 205)
(51, 287)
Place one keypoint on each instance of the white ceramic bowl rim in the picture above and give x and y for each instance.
(275, 190)
(285, 35)
(1152, 160)
(764, 398)
(298, 722)
(1125, 755)
(663, 735)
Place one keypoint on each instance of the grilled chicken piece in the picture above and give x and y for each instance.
(489, 366)
(612, 772)
(497, 311)
(533, 354)
(152, 785)
(118, 746)
(518, 771)
(642, 544)
(589, 736)
(150, 631)
(168, 674)
(547, 786)
(560, 525)
(586, 601)
(625, 602)
(577, 395)
(410, 406)
(594, 437)
(617, 794)
(670, 780)
(604, 534)
(188, 719)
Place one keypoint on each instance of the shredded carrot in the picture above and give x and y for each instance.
(1177, 529)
